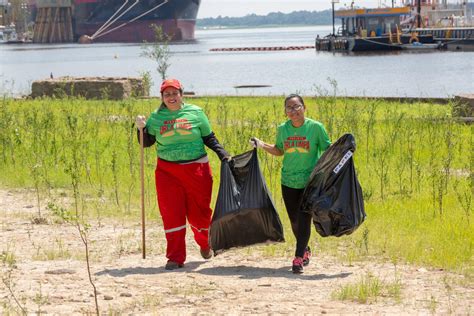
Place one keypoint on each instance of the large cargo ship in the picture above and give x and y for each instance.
(131, 20)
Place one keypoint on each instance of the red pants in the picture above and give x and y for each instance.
(184, 192)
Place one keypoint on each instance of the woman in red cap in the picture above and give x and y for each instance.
(183, 176)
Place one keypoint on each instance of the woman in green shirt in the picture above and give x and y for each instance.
(183, 176)
(301, 141)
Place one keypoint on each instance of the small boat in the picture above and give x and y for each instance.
(396, 28)
(371, 30)
(421, 46)
(8, 35)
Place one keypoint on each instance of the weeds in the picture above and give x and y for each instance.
(9, 284)
(368, 289)
(8, 258)
(40, 300)
(449, 290)
(126, 244)
(365, 239)
(151, 300)
(57, 252)
(413, 162)
(464, 197)
(83, 230)
(192, 289)
(433, 304)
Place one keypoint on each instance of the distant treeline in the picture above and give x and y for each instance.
(273, 18)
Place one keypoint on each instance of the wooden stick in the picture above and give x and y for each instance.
(142, 180)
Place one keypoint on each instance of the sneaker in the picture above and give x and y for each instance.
(297, 265)
(171, 265)
(206, 254)
(306, 256)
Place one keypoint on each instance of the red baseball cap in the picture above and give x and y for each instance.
(171, 83)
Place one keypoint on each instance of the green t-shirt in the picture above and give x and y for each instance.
(302, 147)
(179, 133)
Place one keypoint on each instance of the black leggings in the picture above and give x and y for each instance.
(300, 222)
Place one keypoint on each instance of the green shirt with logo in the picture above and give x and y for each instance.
(179, 133)
(302, 147)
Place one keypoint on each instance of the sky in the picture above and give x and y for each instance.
(214, 8)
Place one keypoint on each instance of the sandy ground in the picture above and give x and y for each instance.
(239, 281)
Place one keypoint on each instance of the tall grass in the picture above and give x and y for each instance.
(414, 163)
(368, 289)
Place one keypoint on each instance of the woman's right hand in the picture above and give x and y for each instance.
(140, 121)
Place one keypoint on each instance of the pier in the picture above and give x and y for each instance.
(53, 22)
(112, 88)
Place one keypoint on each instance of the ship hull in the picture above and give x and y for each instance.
(132, 21)
(368, 44)
(140, 31)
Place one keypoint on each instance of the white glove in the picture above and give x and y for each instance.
(140, 121)
(256, 143)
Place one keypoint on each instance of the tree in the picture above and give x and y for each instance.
(158, 51)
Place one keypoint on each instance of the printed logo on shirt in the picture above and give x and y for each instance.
(171, 127)
(294, 144)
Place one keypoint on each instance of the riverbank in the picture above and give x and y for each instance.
(43, 265)
(414, 250)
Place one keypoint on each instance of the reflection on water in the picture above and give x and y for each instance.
(398, 73)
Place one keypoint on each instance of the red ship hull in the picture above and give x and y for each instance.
(139, 31)
(132, 20)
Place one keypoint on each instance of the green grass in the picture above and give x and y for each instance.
(54, 251)
(368, 289)
(8, 257)
(151, 300)
(414, 163)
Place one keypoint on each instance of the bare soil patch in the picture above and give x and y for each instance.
(49, 275)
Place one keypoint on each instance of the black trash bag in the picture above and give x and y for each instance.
(245, 213)
(333, 194)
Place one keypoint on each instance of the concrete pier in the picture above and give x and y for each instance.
(464, 105)
(112, 88)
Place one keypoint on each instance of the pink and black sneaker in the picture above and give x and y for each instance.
(297, 266)
(306, 256)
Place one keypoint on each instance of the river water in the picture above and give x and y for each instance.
(391, 74)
